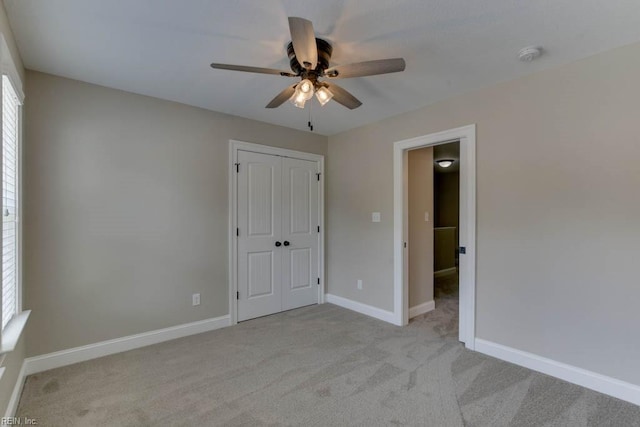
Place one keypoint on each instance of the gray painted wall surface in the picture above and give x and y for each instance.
(447, 199)
(557, 210)
(420, 189)
(126, 210)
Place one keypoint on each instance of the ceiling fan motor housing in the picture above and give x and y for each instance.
(324, 56)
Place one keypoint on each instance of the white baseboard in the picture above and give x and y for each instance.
(444, 272)
(12, 407)
(600, 383)
(369, 310)
(423, 308)
(92, 351)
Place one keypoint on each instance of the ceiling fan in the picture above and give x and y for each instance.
(309, 60)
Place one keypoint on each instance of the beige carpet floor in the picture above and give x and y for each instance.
(316, 366)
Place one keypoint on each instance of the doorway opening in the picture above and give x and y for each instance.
(433, 204)
(457, 265)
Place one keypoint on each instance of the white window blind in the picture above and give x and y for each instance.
(10, 118)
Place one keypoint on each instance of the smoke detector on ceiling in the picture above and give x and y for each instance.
(530, 53)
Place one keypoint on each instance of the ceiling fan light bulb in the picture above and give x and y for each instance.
(298, 98)
(306, 86)
(323, 95)
(305, 89)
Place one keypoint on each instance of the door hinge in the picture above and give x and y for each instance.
(318, 229)
(463, 250)
(318, 175)
(237, 232)
(318, 280)
(405, 244)
(237, 295)
(237, 167)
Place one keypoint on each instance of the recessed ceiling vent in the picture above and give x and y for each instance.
(530, 53)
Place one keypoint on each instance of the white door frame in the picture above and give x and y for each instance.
(467, 137)
(234, 147)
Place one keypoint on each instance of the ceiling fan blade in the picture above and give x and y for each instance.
(304, 42)
(343, 97)
(367, 68)
(247, 69)
(282, 97)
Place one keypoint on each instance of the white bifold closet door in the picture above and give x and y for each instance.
(278, 242)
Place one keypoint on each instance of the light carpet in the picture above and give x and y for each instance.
(315, 366)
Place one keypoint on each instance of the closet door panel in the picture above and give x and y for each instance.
(260, 227)
(300, 221)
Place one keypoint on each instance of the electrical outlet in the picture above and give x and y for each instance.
(359, 284)
(375, 217)
(195, 299)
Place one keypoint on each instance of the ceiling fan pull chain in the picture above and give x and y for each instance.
(309, 122)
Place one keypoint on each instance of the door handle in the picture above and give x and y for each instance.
(278, 244)
(286, 243)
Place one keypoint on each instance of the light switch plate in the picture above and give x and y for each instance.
(375, 217)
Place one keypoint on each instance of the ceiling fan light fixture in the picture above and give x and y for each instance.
(306, 87)
(303, 93)
(323, 95)
(444, 163)
(298, 98)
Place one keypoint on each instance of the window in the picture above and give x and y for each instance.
(10, 201)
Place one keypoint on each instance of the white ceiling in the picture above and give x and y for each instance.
(163, 48)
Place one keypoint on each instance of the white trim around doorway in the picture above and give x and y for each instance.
(234, 147)
(467, 137)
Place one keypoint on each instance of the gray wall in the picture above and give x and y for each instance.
(126, 210)
(446, 187)
(557, 210)
(447, 199)
(420, 191)
(12, 362)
